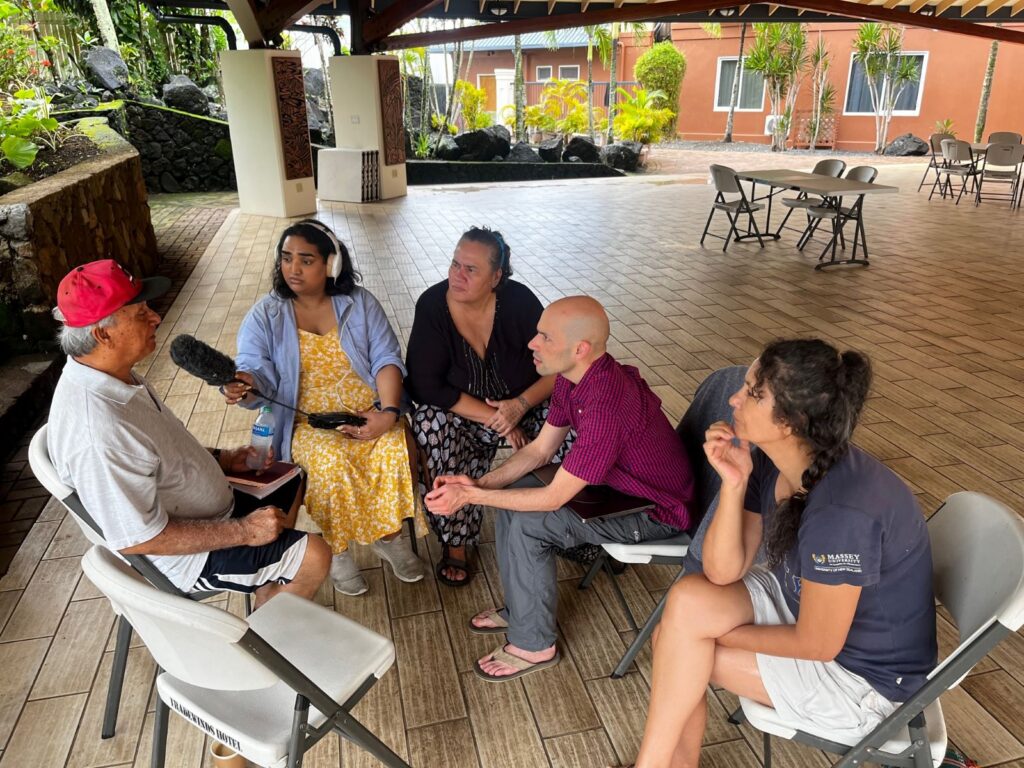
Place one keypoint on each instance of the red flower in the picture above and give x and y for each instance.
(46, 63)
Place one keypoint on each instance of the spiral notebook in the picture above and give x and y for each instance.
(596, 501)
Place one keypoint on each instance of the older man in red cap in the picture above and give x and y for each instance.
(149, 484)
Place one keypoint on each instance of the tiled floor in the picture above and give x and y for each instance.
(939, 311)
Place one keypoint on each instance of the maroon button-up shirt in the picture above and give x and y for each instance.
(623, 439)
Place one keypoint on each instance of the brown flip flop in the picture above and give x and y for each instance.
(522, 666)
(492, 615)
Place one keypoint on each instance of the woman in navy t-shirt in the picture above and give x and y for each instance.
(838, 625)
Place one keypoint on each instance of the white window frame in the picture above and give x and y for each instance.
(567, 66)
(718, 82)
(916, 112)
(549, 68)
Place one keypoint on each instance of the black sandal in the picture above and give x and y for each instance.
(447, 561)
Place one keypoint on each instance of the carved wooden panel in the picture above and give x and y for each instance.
(391, 111)
(291, 112)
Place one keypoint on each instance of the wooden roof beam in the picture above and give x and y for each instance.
(969, 5)
(943, 6)
(377, 28)
(917, 5)
(1017, 7)
(994, 6)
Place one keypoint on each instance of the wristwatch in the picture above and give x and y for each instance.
(392, 409)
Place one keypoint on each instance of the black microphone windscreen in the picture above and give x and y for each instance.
(203, 361)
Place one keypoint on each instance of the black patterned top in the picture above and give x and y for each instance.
(442, 364)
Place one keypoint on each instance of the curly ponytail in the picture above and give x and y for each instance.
(819, 394)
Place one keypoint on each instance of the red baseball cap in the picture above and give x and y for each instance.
(98, 289)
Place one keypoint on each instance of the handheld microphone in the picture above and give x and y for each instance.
(214, 367)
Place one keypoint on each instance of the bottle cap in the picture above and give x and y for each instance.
(266, 409)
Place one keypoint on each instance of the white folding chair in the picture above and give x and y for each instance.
(936, 162)
(1000, 166)
(978, 562)
(830, 167)
(42, 467)
(1004, 137)
(958, 161)
(269, 686)
(833, 209)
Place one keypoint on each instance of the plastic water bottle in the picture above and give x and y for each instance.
(262, 438)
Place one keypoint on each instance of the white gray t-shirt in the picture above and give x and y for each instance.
(133, 463)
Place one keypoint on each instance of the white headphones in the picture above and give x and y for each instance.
(334, 261)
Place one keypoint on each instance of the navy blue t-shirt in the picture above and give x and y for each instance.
(862, 526)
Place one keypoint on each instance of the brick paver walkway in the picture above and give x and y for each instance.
(939, 311)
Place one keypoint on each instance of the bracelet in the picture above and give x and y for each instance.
(522, 402)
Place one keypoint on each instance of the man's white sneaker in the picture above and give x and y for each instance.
(346, 576)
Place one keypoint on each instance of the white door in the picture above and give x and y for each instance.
(504, 91)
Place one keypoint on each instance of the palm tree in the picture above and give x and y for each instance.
(519, 90)
(596, 36)
(878, 48)
(823, 93)
(105, 24)
(639, 29)
(986, 91)
(714, 29)
(780, 54)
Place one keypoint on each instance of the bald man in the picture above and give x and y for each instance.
(622, 440)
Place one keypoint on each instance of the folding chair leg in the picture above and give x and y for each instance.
(618, 594)
(595, 568)
(707, 226)
(767, 740)
(411, 524)
(737, 717)
(352, 729)
(296, 741)
(159, 735)
(785, 218)
(733, 232)
(124, 639)
(753, 224)
(641, 638)
(925, 177)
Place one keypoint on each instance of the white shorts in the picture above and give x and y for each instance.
(815, 696)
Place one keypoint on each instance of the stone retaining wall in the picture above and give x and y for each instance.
(97, 209)
(181, 152)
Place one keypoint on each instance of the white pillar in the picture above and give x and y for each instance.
(369, 162)
(270, 148)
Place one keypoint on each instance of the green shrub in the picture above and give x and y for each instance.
(662, 69)
(472, 100)
(26, 127)
(638, 116)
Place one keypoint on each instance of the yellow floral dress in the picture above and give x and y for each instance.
(356, 490)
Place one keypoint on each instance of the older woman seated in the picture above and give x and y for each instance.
(322, 343)
(839, 626)
(473, 376)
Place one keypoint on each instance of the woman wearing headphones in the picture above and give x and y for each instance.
(323, 343)
(473, 377)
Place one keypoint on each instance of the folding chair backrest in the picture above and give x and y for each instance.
(710, 404)
(936, 141)
(46, 473)
(957, 151)
(724, 179)
(1001, 155)
(194, 642)
(978, 562)
(1004, 137)
(864, 173)
(832, 167)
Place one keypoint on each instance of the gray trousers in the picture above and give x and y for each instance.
(526, 559)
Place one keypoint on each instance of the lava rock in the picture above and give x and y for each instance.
(583, 148)
(313, 79)
(483, 144)
(907, 145)
(501, 131)
(315, 116)
(168, 183)
(447, 148)
(550, 151)
(105, 69)
(522, 152)
(211, 92)
(181, 93)
(624, 156)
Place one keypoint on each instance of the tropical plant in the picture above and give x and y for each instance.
(986, 90)
(662, 69)
(823, 93)
(422, 146)
(779, 53)
(598, 38)
(878, 48)
(639, 30)
(564, 102)
(26, 127)
(19, 64)
(537, 119)
(945, 126)
(437, 122)
(472, 101)
(639, 116)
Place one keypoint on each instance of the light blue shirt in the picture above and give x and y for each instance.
(268, 348)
